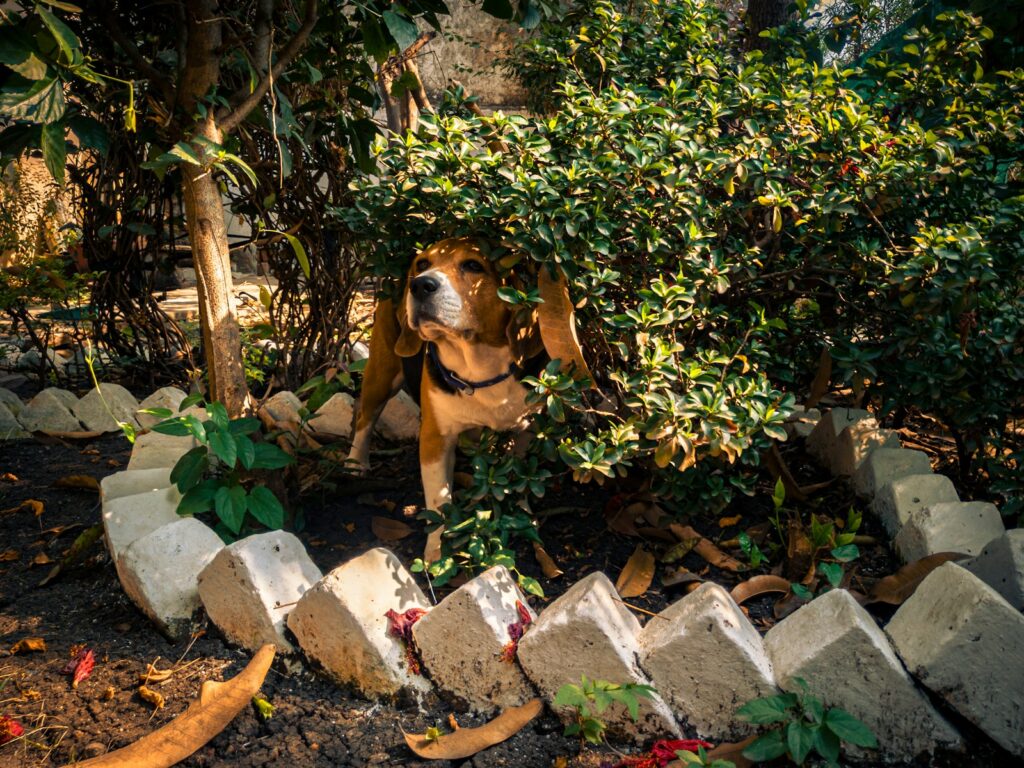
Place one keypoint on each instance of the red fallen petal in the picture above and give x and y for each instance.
(400, 626)
(81, 666)
(524, 614)
(10, 729)
(664, 751)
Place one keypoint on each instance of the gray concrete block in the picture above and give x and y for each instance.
(1001, 565)
(958, 526)
(883, 465)
(896, 501)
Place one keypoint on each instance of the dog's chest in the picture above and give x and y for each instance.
(502, 406)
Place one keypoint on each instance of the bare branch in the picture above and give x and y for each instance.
(242, 102)
(145, 67)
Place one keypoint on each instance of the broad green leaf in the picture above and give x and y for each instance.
(42, 101)
(190, 469)
(300, 252)
(827, 744)
(66, 39)
(198, 499)
(244, 426)
(773, 709)
(246, 450)
(402, 30)
(175, 426)
(270, 457)
(767, 747)
(218, 414)
(265, 507)
(222, 443)
(799, 740)
(229, 502)
(55, 150)
(500, 9)
(17, 53)
(850, 729)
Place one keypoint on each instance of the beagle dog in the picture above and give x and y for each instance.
(458, 349)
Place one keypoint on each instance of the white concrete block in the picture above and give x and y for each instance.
(706, 659)
(896, 501)
(101, 409)
(49, 411)
(883, 465)
(282, 406)
(341, 624)
(959, 637)
(400, 419)
(153, 450)
(479, 614)
(801, 422)
(10, 427)
(251, 586)
(855, 443)
(127, 518)
(11, 400)
(1001, 566)
(159, 572)
(822, 439)
(834, 645)
(165, 397)
(588, 632)
(957, 526)
(334, 417)
(132, 481)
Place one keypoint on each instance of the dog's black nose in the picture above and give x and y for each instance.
(424, 285)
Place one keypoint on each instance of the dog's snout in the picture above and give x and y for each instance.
(424, 285)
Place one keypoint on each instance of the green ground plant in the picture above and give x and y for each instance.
(592, 698)
(723, 216)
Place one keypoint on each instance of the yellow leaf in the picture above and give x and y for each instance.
(29, 645)
(547, 563)
(85, 482)
(637, 574)
(152, 697)
(466, 742)
(725, 522)
(776, 220)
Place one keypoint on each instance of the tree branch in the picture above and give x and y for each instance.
(242, 102)
(158, 78)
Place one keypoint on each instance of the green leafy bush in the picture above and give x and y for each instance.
(722, 217)
(802, 725)
(591, 698)
(220, 475)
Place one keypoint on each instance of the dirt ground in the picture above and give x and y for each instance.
(315, 722)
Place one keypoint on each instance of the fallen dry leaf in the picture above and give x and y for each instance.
(28, 505)
(85, 540)
(9, 556)
(80, 435)
(637, 574)
(681, 576)
(83, 482)
(466, 742)
(547, 563)
(799, 552)
(758, 585)
(897, 587)
(386, 529)
(10, 477)
(29, 645)
(218, 704)
(152, 697)
(42, 559)
(154, 675)
(725, 522)
(556, 320)
(706, 548)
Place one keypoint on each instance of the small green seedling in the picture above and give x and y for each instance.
(700, 759)
(591, 698)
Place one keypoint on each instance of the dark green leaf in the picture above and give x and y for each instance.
(767, 747)
(265, 507)
(245, 426)
(827, 744)
(229, 502)
(773, 709)
(91, 133)
(175, 426)
(55, 150)
(799, 740)
(402, 30)
(198, 499)
(246, 450)
(270, 457)
(846, 553)
(218, 414)
(65, 38)
(850, 729)
(501, 9)
(190, 469)
(223, 444)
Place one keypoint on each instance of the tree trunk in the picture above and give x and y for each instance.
(204, 217)
(762, 15)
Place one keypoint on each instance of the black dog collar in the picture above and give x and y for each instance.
(459, 384)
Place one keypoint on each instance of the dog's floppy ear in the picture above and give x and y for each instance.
(409, 342)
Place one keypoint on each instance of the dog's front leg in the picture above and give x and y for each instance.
(437, 465)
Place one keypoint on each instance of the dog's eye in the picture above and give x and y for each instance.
(422, 265)
(472, 266)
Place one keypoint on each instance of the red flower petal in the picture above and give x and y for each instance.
(10, 729)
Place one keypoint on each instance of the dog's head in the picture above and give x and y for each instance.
(451, 292)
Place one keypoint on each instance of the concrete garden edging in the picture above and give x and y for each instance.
(255, 588)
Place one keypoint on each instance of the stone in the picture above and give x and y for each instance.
(11, 400)
(883, 465)
(801, 422)
(165, 397)
(726, 665)
(834, 645)
(822, 439)
(283, 406)
(400, 419)
(131, 481)
(66, 398)
(961, 639)
(1001, 565)
(896, 501)
(472, 669)
(334, 417)
(855, 443)
(158, 572)
(49, 411)
(10, 427)
(588, 632)
(30, 359)
(153, 450)
(101, 409)
(251, 586)
(128, 518)
(958, 526)
(341, 624)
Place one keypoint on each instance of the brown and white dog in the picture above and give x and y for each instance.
(458, 348)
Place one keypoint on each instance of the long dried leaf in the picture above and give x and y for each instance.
(466, 742)
(82, 482)
(556, 317)
(29, 645)
(86, 539)
(547, 563)
(637, 574)
(822, 377)
(386, 529)
(897, 587)
(217, 706)
(70, 435)
(758, 585)
(706, 548)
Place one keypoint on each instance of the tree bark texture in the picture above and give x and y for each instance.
(204, 217)
(762, 15)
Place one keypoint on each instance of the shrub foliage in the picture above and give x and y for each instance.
(722, 217)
